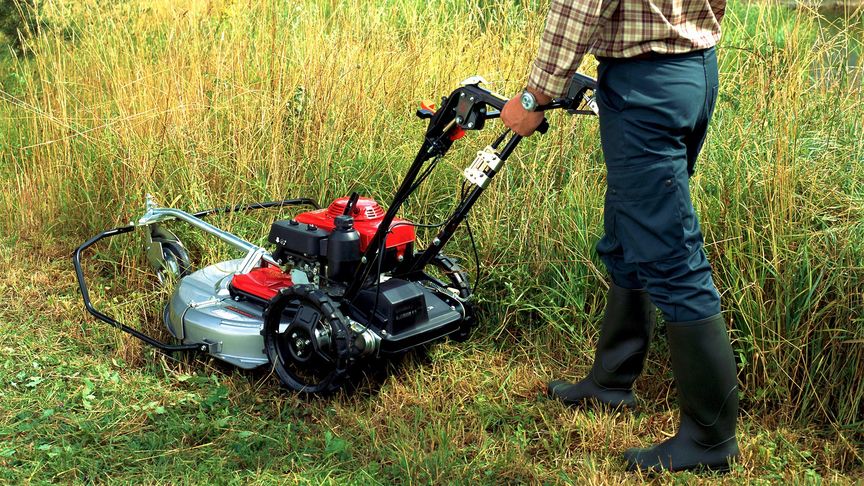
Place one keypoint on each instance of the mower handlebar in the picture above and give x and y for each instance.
(470, 105)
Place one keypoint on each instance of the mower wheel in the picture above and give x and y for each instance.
(176, 262)
(307, 339)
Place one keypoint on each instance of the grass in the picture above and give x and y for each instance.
(212, 103)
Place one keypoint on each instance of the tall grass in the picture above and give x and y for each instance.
(207, 103)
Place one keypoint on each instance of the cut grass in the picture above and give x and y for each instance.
(82, 402)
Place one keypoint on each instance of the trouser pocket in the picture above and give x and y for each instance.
(647, 210)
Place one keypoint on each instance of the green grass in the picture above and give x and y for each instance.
(211, 103)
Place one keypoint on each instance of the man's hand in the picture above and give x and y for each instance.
(520, 121)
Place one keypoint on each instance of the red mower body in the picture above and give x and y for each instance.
(265, 282)
(367, 216)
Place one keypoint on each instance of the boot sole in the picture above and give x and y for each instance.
(723, 468)
(699, 469)
(592, 403)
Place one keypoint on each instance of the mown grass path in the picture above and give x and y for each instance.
(82, 403)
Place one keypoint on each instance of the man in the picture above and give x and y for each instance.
(657, 85)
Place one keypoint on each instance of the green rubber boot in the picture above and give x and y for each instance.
(705, 375)
(621, 349)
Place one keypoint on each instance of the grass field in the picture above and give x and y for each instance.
(209, 103)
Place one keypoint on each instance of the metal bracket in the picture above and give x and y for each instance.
(483, 167)
(205, 303)
(211, 347)
(475, 80)
(591, 101)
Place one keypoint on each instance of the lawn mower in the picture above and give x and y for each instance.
(344, 285)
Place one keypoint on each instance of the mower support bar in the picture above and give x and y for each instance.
(156, 214)
(88, 304)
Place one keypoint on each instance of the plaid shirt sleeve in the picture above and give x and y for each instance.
(570, 27)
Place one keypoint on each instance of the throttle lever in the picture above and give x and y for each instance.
(424, 114)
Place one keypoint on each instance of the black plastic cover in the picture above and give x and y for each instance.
(411, 314)
(298, 238)
(401, 305)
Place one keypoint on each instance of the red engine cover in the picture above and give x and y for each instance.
(367, 216)
(263, 282)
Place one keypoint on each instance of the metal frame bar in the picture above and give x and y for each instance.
(155, 214)
(88, 304)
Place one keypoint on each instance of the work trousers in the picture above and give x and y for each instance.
(654, 114)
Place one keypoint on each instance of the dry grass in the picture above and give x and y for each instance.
(207, 103)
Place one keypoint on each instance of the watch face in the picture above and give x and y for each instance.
(528, 101)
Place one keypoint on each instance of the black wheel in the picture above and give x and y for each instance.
(307, 339)
(176, 262)
(446, 273)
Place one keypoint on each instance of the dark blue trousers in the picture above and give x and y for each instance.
(654, 114)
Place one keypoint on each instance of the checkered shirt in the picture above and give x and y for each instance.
(619, 28)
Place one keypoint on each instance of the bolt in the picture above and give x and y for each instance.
(363, 260)
(471, 99)
(436, 242)
(461, 95)
(470, 124)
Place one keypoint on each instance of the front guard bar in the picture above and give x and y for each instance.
(155, 214)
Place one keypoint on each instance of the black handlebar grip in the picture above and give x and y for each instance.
(543, 127)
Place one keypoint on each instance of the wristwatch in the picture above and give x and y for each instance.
(529, 102)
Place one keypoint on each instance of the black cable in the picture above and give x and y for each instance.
(500, 139)
(476, 284)
(476, 257)
(423, 176)
(419, 225)
(398, 201)
(378, 283)
(303, 201)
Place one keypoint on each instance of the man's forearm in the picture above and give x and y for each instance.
(570, 27)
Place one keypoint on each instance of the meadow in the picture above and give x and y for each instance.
(210, 103)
